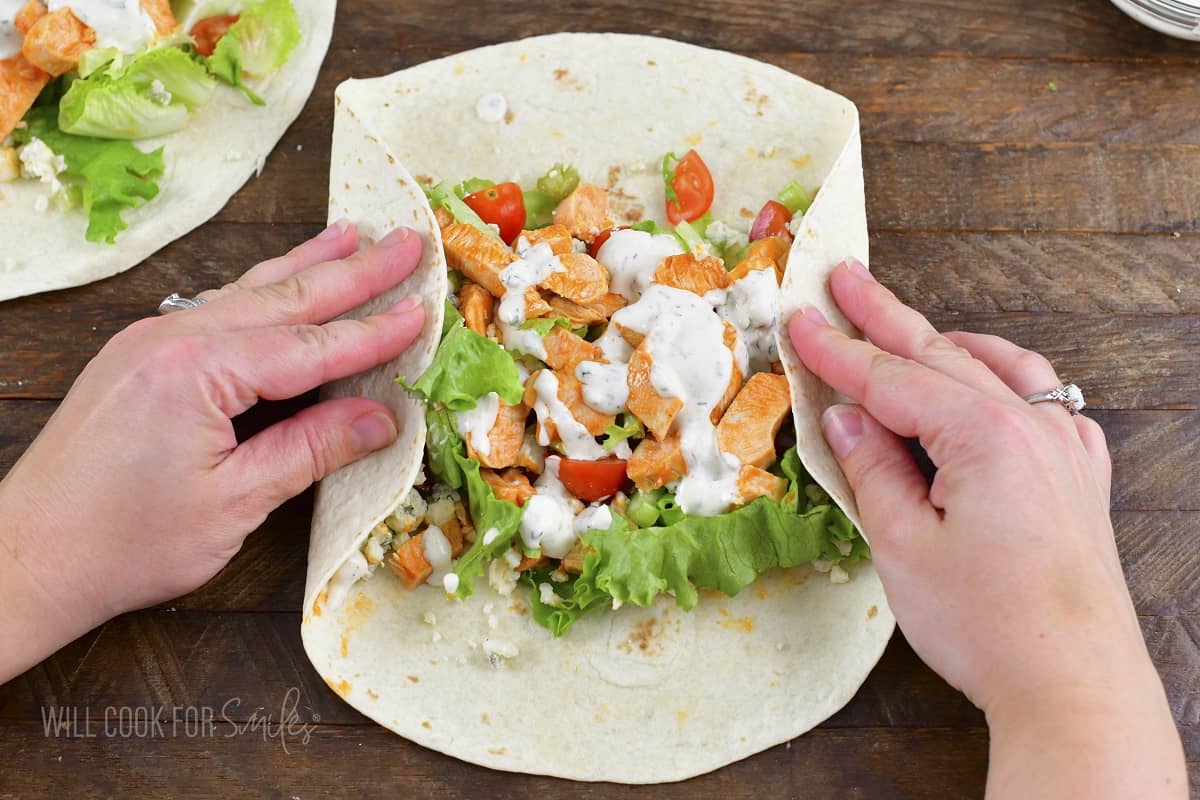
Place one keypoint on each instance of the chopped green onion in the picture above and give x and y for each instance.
(539, 209)
(794, 198)
(668, 509)
(558, 182)
(692, 241)
(668, 170)
(643, 508)
(472, 185)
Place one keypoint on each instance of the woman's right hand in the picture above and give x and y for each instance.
(1003, 574)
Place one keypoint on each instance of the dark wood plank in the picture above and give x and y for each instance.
(1077, 29)
(372, 762)
(1064, 273)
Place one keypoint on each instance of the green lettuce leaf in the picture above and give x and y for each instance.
(725, 553)
(449, 463)
(630, 428)
(150, 95)
(445, 195)
(467, 366)
(107, 176)
(543, 325)
(257, 45)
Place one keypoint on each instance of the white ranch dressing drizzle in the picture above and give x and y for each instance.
(533, 265)
(118, 23)
(436, 547)
(686, 342)
(491, 107)
(475, 425)
(519, 340)
(751, 305)
(547, 519)
(11, 39)
(597, 517)
(605, 386)
(576, 441)
(631, 257)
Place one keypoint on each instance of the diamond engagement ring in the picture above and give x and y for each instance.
(175, 302)
(1069, 397)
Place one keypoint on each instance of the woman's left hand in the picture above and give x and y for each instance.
(137, 490)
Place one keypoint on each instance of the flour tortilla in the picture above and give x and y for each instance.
(224, 144)
(642, 694)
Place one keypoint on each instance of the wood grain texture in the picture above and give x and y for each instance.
(371, 762)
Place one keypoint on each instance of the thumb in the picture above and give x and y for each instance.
(892, 495)
(288, 457)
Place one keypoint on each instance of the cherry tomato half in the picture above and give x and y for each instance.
(693, 185)
(772, 220)
(592, 480)
(598, 242)
(207, 32)
(501, 205)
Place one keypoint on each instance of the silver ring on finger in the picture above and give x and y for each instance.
(1069, 397)
(176, 302)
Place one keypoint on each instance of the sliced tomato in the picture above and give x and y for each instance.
(592, 480)
(501, 205)
(772, 220)
(692, 184)
(208, 31)
(598, 242)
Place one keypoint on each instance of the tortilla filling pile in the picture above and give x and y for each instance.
(607, 414)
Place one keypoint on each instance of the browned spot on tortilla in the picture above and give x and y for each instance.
(509, 116)
(373, 695)
(518, 608)
(761, 592)
(745, 212)
(391, 159)
(320, 601)
(802, 161)
(560, 73)
(414, 679)
(614, 177)
(485, 719)
(759, 100)
(872, 611)
(424, 180)
(712, 593)
(743, 624)
(681, 716)
(341, 687)
(634, 213)
(359, 160)
(644, 637)
(347, 186)
(426, 725)
(497, 751)
(345, 645)
(652, 63)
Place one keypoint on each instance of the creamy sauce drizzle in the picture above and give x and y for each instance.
(605, 386)
(752, 306)
(475, 425)
(437, 552)
(631, 257)
(547, 520)
(576, 441)
(118, 23)
(533, 266)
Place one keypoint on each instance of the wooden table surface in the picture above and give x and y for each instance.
(1033, 170)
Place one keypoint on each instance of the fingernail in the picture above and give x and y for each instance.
(396, 237)
(813, 315)
(843, 427)
(858, 270)
(371, 432)
(335, 230)
(405, 306)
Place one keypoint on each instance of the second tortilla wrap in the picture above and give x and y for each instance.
(641, 694)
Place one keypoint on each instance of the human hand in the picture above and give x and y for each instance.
(137, 491)
(1003, 574)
